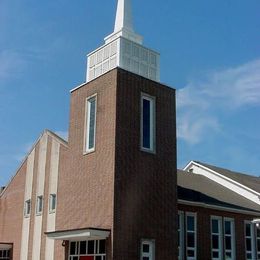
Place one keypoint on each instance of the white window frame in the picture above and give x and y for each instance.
(191, 214)
(38, 201)
(151, 254)
(252, 238)
(257, 239)
(27, 208)
(233, 238)
(51, 202)
(87, 121)
(181, 235)
(220, 237)
(78, 249)
(152, 101)
(5, 254)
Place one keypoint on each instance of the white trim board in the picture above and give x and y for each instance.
(229, 183)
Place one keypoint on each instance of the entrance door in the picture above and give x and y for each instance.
(86, 258)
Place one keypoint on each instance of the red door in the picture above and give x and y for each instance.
(86, 258)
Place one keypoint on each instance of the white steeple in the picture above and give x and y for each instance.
(124, 23)
(123, 48)
(124, 19)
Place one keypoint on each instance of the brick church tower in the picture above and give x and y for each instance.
(117, 182)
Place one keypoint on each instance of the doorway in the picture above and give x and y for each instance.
(87, 250)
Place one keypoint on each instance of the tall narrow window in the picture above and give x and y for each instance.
(52, 203)
(147, 123)
(191, 242)
(180, 235)
(147, 250)
(216, 238)
(39, 205)
(91, 123)
(258, 242)
(27, 208)
(249, 241)
(229, 238)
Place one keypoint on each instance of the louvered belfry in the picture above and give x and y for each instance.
(123, 48)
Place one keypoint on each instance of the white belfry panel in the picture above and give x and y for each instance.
(127, 55)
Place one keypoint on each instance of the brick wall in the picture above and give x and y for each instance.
(145, 183)
(11, 211)
(12, 204)
(141, 201)
(86, 189)
(204, 230)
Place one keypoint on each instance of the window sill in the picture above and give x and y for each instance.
(38, 214)
(89, 151)
(52, 211)
(147, 150)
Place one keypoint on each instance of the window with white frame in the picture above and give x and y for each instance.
(147, 250)
(91, 110)
(180, 235)
(93, 249)
(229, 239)
(257, 242)
(39, 205)
(250, 240)
(27, 208)
(191, 236)
(216, 238)
(52, 203)
(147, 123)
(5, 254)
(222, 238)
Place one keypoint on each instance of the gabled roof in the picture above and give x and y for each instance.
(200, 189)
(252, 182)
(47, 132)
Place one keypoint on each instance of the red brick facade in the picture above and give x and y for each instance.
(118, 187)
(109, 187)
(11, 211)
(203, 216)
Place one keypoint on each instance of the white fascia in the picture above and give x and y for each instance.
(224, 181)
(78, 235)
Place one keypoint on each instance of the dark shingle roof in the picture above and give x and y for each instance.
(198, 188)
(252, 182)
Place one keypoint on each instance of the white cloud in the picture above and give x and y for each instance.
(193, 129)
(11, 63)
(200, 102)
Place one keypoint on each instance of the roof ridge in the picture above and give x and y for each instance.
(45, 131)
(226, 169)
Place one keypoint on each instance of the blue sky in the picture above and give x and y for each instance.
(210, 52)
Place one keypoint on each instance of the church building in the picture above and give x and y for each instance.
(112, 191)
